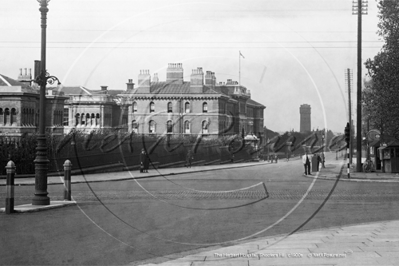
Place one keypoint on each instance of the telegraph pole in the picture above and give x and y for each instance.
(359, 8)
(349, 76)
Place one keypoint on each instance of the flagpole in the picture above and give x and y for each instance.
(239, 68)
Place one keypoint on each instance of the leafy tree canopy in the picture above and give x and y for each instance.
(381, 96)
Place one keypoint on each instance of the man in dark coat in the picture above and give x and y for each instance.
(189, 158)
(144, 161)
(306, 159)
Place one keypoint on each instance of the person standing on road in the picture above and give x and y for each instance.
(144, 162)
(306, 159)
(189, 158)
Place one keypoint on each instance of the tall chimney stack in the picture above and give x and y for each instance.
(174, 73)
(130, 85)
(144, 81)
(197, 80)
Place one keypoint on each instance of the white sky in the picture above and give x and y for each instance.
(296, 51)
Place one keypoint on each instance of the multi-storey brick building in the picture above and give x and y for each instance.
(174, 106)
(200, 105)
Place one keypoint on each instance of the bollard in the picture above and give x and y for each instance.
(67, 180)
(10, 168)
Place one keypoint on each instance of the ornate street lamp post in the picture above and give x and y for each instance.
(41, 161)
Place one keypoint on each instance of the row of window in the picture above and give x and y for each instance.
(169, 127)
(87, 119)
(7, 117)
(169, 107)
(57, 117)
(28, 116)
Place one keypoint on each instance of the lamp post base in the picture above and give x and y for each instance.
(41, 167)
(40, 200)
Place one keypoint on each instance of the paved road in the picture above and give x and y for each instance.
(122, 222)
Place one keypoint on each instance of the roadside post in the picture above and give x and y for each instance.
(67, 180)
(10, 168)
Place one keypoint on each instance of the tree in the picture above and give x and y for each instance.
(381, 95)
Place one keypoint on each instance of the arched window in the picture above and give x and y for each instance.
(187, 107)
(205, 107)
(77, 119)
(187, 127)
(169, 127)
(30, 116)
(88, 120)
(151, 128)
(65, 115)
(1, 116)
(170, 107)
(55, 115)
(6, 116)
(134, 107)
(93, 120)
(135, 126)
(152, 107)
(98, 120)
(204, 127)
(82, 119)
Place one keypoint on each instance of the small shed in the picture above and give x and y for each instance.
(389, 155)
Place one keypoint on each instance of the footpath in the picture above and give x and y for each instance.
(364, 244)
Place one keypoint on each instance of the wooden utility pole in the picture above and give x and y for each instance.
(359, 8)
(349, 79)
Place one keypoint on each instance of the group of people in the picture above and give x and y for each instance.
(307, 161)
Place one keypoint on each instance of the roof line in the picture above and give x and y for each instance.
(84, 89)
(5, 81)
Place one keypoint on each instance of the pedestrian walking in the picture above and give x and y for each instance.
(306, 159)
(144, 162)
(189, 158)
(319, 161)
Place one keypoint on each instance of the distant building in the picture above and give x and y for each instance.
(88, 110)
(198, 106)
(19, 107)
(174, 106)
(305, 122)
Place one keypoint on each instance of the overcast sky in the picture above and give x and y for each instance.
(296, 51)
